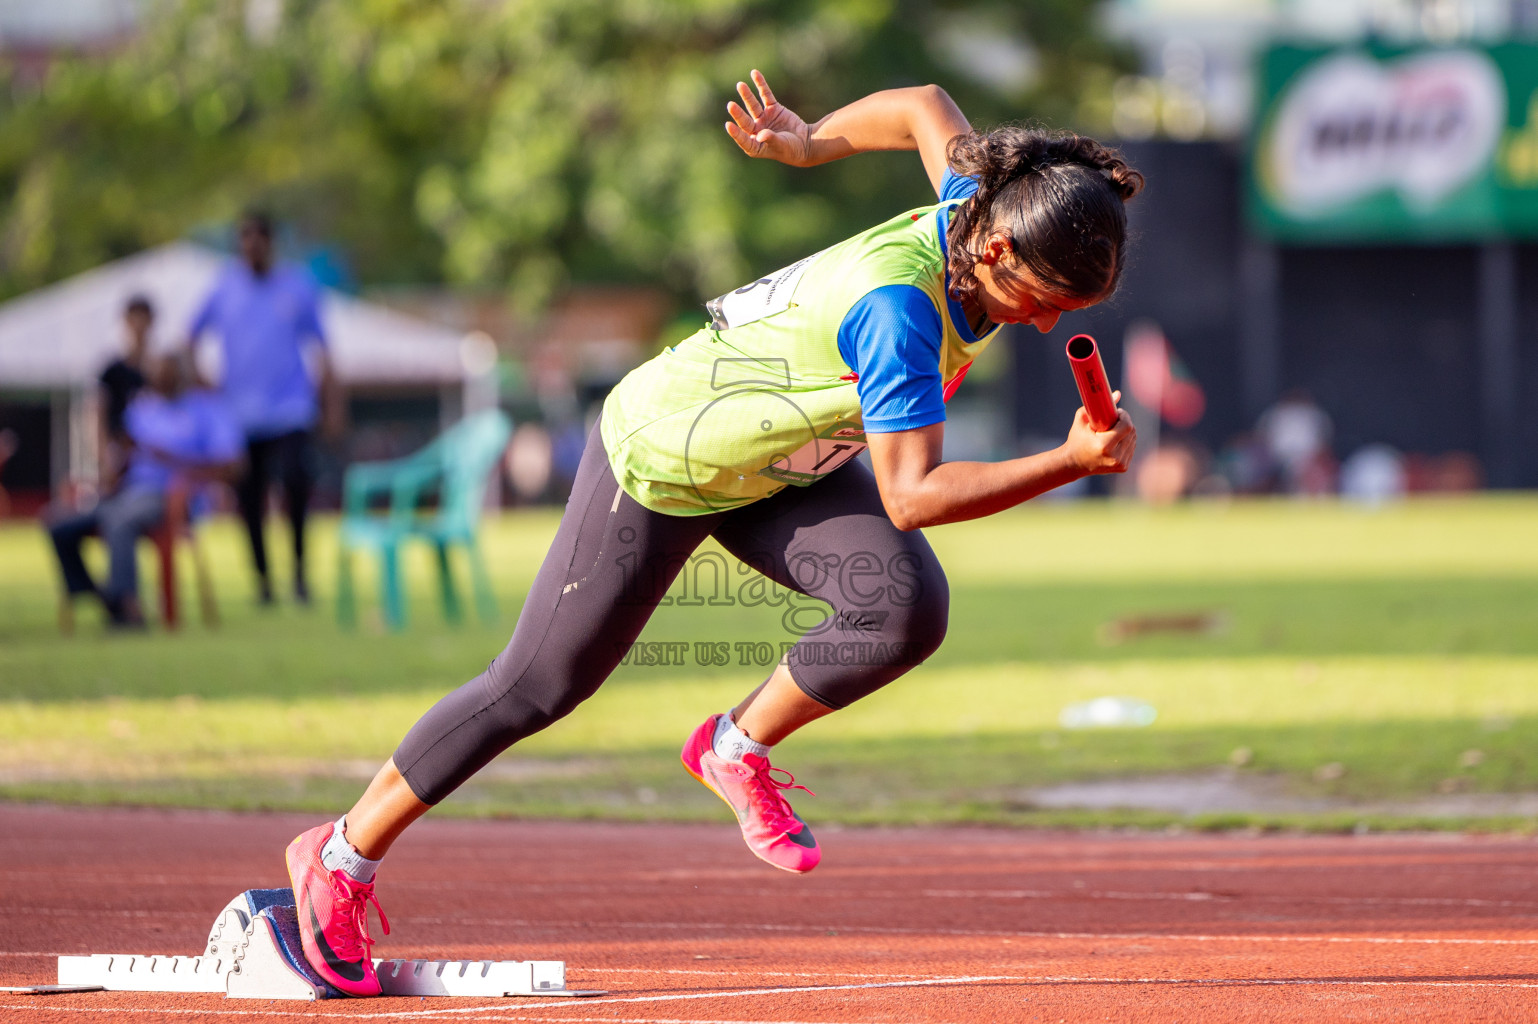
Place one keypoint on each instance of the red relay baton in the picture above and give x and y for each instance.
(1094, 388)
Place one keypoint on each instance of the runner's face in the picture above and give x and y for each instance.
(1013, 295)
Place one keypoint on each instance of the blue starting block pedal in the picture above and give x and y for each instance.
(254, 952)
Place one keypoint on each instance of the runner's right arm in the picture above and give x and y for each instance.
(922, 118)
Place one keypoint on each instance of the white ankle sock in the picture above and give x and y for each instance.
(338, 853)
(731, 742)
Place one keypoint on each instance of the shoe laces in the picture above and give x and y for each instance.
(354, 897)
(767, 789)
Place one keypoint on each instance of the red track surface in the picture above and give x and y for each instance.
(681, 924)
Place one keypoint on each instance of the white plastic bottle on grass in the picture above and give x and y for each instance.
(1108, 713)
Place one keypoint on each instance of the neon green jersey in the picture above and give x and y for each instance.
(761, 398)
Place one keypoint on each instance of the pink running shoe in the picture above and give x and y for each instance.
(774, 832)
(333, 916)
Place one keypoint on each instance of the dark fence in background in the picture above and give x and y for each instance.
(1431, 349)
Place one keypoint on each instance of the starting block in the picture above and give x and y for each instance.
(254, 952)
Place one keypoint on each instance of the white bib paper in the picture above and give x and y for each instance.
(757, 300)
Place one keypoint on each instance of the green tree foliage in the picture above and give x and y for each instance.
(519, 144)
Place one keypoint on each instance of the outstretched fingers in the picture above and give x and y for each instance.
(763, 88)
(743, 130)
(745, 139)
(759, 125)
(744, 121)
(749, 100)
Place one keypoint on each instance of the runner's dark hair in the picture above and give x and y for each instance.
(1057, 195)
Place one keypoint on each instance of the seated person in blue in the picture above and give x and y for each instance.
(121, 380)
(179, 440)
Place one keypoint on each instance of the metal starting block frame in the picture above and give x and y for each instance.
(254, 952)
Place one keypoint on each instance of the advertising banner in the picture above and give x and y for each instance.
(1380, 144)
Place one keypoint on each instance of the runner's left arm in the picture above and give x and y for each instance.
(922, 118)
(918, 488)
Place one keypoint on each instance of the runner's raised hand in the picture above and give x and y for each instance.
(763, 127)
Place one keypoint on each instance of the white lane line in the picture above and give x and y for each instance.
(656, 1020)
(648, 1020)
(44, 1005)
(728, 994)
(97, 912)
(308, 1009)
(756, 974)
(645, 1020)
(1049, 894)
(840, 929)
(106, 881)
(1197, 895)
(1046, 895)
(1365, 939)
(496, 1014)
(75, 953)
(1073, 979)
(1201, 896)
(500, 1012)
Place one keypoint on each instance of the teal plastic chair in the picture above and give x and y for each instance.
(456, 467)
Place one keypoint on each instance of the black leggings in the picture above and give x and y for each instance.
(292, 452)
(612, 562)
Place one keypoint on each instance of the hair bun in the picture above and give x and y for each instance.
(999, 156)
(1126, 181)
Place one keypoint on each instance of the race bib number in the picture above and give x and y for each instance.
(757, 300)
(817, 458)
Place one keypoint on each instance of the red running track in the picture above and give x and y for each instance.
(683, 926)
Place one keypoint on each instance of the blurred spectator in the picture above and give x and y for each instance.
(9, 442)
(1168, 473)
(566, 452)
(120, 382)
(1452, 473)
(266, 314)
(179, 439)
(1245, 464)
(529, 461)
(1373, 475)
(1297, 436)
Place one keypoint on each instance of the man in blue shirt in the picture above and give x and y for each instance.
(266, 315)
(178, 440)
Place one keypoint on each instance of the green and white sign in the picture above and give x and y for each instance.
(1378, 144)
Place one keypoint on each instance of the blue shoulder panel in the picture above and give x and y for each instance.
(891, 338)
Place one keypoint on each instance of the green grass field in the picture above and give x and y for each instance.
(1367, 658)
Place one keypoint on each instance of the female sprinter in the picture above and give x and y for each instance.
(746, 432)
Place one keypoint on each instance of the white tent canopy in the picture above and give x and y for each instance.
(60, 337)
(57, 340)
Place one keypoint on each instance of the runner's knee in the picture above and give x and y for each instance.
(918, 618)
(863, 649)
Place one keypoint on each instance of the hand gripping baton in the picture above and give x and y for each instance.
(1094, 388)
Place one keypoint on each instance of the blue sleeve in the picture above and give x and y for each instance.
(891, 338)
(954, 186)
